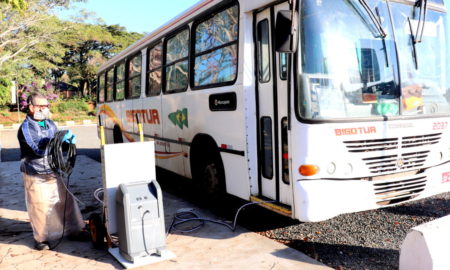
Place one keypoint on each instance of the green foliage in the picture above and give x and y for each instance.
(37, 46)
(5, 113)
(88, 47)
(17, 4)
(5, 91)
(70, 106)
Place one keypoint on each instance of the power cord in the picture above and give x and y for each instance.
(143, 232)
(62, 162)
(184, 216)
(188, 215)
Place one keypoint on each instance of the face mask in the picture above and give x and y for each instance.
(42, 115)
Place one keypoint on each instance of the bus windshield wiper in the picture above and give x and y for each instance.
(386, 58)
(413, 44)
(422, 4)
(373, 18)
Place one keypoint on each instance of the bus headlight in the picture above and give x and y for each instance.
(308, 170)
(348, 169)
(331, 168)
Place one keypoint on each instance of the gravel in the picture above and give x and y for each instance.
(363, 240)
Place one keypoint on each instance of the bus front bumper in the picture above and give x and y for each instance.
(321, 199)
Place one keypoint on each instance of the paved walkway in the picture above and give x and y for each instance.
(211, 247)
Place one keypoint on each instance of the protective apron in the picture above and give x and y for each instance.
(46, 198)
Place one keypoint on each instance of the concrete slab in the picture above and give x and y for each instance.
(211, 247)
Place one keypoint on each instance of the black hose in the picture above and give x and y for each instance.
(61, 159)
(187, 216)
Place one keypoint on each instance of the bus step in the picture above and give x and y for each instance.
(282, 209)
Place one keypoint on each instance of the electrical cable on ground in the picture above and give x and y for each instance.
(62, 162)
(97, 193)
(184, 216)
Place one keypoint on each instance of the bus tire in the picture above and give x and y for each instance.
(117, 135)
(211, 178)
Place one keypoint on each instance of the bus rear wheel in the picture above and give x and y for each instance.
(117, 135)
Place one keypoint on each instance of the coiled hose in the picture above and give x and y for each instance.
(61, 156)
(61, 159)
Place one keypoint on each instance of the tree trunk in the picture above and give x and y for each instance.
(82, 88)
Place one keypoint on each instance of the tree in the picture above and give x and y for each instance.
(25, 31)
(5, 92)
(35, 45)
(88, 47)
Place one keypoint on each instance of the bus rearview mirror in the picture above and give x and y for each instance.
(286, 32)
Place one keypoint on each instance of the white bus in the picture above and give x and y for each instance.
(337, 107)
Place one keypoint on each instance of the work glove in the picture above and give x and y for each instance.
(70, 137)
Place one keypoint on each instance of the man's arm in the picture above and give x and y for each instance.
(31, 137)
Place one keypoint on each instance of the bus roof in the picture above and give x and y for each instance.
(145, 40)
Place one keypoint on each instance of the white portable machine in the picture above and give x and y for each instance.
(133, 204)
(140, 220)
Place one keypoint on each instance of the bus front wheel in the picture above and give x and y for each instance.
(211, 178)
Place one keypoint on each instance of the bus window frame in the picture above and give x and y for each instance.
(193, 55)
(116, 82)
(148, 70)
(99, 77)
(128, 78)
(107, 84)
(164, 64)
(260, 52)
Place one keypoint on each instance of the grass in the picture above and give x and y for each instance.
(5, 113)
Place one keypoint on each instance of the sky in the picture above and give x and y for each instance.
(142, 16)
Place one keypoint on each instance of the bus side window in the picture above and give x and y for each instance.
(101, 88)
(263, 51)
(154, 70)
(109, 85)
(120, 82)
(134, 66)
(266, 147)
(176, 62)
(216, 49)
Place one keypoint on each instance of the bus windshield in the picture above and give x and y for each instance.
(349, 69)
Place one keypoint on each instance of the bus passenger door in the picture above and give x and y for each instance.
(272, 99)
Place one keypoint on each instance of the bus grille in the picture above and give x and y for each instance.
(421, 140)
(396, 191)
(371, 145)
(361, 146)
(393, 163)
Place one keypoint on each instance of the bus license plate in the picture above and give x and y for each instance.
(446, 177)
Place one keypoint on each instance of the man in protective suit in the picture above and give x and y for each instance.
(45, 191)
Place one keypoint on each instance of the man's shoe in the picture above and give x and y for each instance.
(42, 246)
(82, 236)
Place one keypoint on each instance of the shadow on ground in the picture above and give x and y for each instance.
(252, 217)
(338, 255)
(434, 207)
